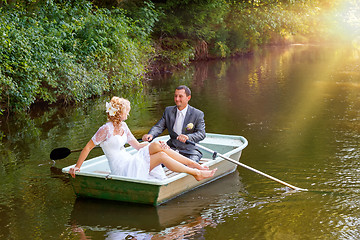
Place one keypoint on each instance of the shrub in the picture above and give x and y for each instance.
(68, 51)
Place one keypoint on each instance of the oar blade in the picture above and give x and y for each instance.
(59, 153)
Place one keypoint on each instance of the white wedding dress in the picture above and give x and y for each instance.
(120, 161)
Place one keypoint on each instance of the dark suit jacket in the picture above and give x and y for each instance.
(195, 134)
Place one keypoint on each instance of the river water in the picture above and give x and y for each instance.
(299, 108)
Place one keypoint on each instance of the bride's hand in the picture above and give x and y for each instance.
(73, 170)
(164, 145)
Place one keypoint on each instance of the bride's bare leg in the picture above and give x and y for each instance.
(156, 147)
(187, 161)
(161, 157)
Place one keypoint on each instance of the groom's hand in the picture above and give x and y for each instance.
(147, 137)
(182, 138)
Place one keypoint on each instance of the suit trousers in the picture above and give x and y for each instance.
(193, 157)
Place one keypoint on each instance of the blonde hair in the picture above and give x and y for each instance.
(122, 105)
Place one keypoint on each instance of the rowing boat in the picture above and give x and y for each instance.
(95, 181)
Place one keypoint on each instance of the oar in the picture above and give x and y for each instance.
(63, 152)
(245, 166)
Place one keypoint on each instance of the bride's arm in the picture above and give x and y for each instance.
(83, 155)
(99, 137)
(135, 144)
(131, 139)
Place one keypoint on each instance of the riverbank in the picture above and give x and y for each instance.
(61, 52)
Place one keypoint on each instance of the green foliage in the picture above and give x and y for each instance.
(234, 27)
(188, 22)
(191, 19)
(144, 13)
(174, 51)
(68, 51)
(72, 50)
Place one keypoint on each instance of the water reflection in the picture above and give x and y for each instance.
(56, 172)
(4, 222)
(112, 215)
(185, 216)
(126, 221)
(191, 230)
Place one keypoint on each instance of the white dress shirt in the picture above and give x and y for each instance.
(179, 121)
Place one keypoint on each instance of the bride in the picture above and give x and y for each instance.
(146, 163)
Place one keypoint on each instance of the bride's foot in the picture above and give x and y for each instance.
(202, 174)
(201, 167)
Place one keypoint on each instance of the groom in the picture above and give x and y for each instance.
(183, 122)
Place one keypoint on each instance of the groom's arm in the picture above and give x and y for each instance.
(159, 127)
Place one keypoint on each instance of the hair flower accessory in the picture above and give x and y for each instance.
(110, 109)
(189, 126)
